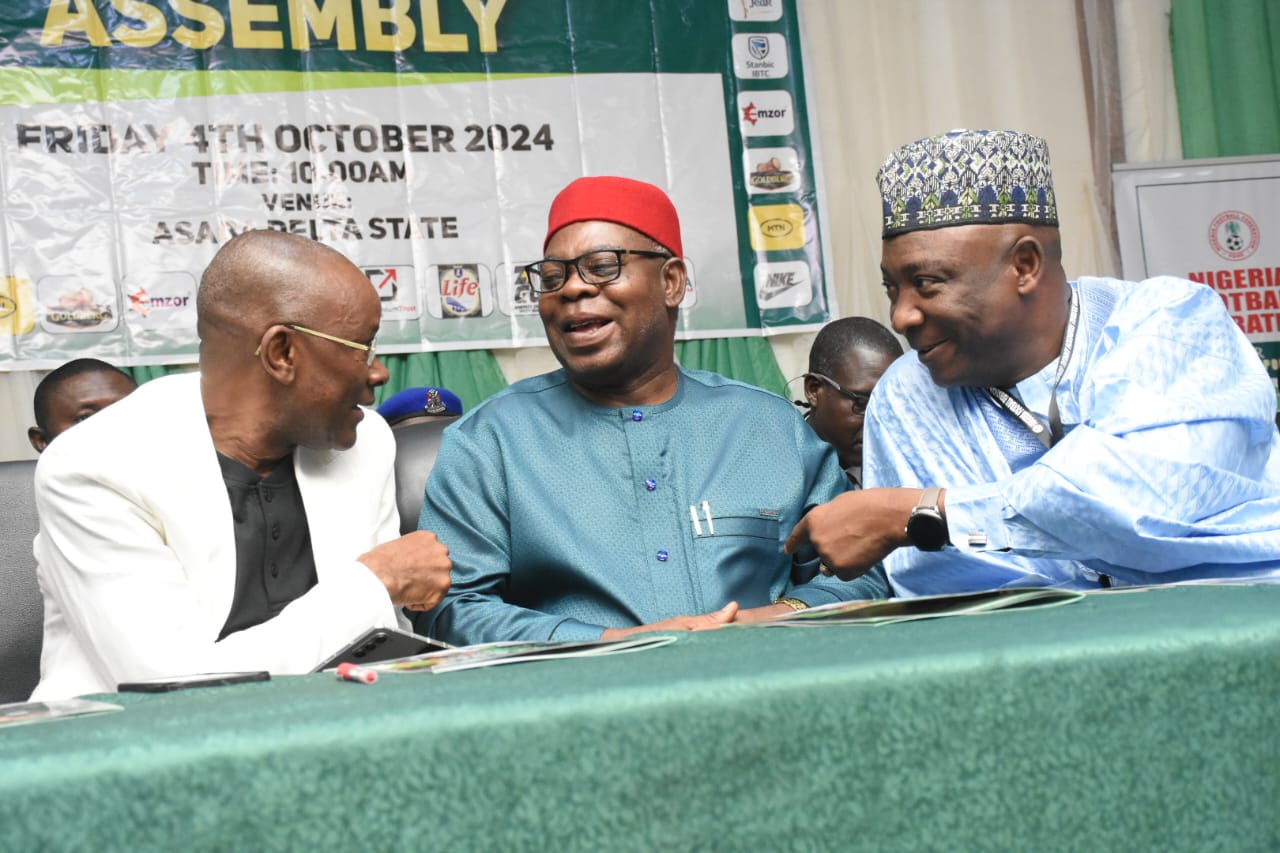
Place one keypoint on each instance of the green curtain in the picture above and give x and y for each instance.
(1226, 66)
(474, 374)
(749, 360)
(471, 374)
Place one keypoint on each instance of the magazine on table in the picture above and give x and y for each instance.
(493, 654)
(890, 610)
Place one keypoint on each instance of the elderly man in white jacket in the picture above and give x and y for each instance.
(243, 517)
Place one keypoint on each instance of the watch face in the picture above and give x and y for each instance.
(927, 530)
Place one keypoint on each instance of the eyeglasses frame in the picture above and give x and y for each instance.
(371, 348)
(536, 276)
(860, 401)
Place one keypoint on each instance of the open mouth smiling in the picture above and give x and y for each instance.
(584, 323)
(585, 327)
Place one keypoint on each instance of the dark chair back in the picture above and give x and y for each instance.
(416, 447)
(21, 606)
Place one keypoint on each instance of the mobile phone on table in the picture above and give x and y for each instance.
(199, 679)
(379, 644)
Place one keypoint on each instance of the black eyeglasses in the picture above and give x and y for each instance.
(600, 266)
(859, 400)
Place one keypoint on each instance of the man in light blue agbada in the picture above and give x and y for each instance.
(1044, 432)
(623, 493)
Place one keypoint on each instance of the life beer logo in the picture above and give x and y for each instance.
(397, 290)
(776, 227)
(760, 56)
(1234, 235)
(75, 304)
(17, 311)
(771, 170)
(461, 291)
(765, 113)
(755, 10)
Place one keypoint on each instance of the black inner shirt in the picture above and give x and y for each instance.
(274, 561)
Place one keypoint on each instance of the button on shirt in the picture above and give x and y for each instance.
(274, 560)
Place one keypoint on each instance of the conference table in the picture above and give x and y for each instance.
(1124, 721)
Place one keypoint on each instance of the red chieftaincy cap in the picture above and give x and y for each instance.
(634, 204)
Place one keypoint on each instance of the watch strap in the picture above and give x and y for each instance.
(929, 498)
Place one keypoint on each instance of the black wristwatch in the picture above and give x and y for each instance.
(927, 528)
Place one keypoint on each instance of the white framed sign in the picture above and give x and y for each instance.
(1215, 221)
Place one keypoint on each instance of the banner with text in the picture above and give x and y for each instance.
(424, 139)
(1215, 221)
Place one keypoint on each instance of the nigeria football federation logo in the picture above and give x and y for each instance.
(1234, 235)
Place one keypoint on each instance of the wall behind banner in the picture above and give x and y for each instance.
(873, 86)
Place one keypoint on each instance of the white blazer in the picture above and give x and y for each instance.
(136, 549)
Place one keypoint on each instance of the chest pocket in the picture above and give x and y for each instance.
(755, 526)
(744, 556)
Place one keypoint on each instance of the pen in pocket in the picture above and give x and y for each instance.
(697, 522)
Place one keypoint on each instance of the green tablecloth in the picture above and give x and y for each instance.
(1127, 721)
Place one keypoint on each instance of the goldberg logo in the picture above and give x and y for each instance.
(771, 176)
(771, 170)
(78, 310)
(1234, 235)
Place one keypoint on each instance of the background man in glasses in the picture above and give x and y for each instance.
(622, 492)
(1046, 432)
(847, 359)
(242, 517)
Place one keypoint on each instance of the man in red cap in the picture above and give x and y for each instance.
(622, 492)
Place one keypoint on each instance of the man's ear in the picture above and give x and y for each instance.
(675, 280)
(812, 385)
(1028, 262)
(38, 440)
(278, 353)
